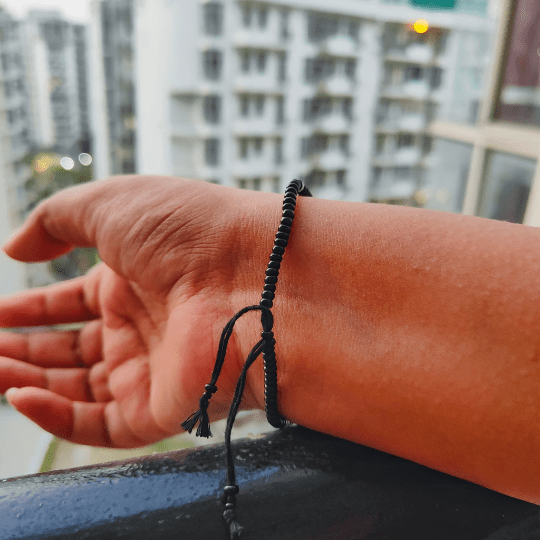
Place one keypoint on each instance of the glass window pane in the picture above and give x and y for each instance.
(520, 94)
(446, 178)
(505, 191)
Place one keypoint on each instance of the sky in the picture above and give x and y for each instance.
(75, 9)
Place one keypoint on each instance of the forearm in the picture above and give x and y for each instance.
(414, 332)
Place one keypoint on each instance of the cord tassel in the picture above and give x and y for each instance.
(266, 346)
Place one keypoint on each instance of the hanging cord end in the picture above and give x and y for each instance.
(229, 515)
(201, 416)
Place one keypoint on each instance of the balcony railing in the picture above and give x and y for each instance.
(294, 484)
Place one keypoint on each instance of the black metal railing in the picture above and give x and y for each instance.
(294, 484)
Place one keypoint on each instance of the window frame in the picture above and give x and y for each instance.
(489, 135)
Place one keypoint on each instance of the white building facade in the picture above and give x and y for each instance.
(57, 64)
(253, 94)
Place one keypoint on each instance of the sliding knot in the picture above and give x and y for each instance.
(267, 336)
(212, 388)
(267, 320)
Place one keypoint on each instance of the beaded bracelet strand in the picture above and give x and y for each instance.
(266, 346)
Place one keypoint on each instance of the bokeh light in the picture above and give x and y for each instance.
(421, 26)
(85, 159)
(67, 163)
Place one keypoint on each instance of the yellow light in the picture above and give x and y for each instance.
(421, 26)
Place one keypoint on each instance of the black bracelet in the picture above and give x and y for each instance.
(266, 346)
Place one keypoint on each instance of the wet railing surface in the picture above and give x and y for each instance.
(294, 484)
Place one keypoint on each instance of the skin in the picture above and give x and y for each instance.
(411, 331)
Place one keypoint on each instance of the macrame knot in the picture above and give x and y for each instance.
(229, 515)
(201, 416)
(267, 320)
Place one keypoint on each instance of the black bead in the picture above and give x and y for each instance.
(282, 235)
(231, 490)
(268, 295)
(272, 272)
(229, 506)
(286, 221)
(289, 206)
(289, 200)
(266, 303)
(278, 250)
(284, 228)
(280, 242)
(276, 258)
(269, 287)
(212, 388)
(270, 279)
(274, 265)
(288, 214)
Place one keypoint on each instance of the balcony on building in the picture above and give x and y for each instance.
(259, 70)
(419, 53)
(333, 34)
(401, 157)
(258, 114)
(393, 185)
(258, 156)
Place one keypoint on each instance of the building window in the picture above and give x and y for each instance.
(321, 27)
(212, 109)
(258, 145)
(278, 156)
(280, 115)
(340, 178)
(352, 29)
(213, 18)
(212, 64)
(261, 61)
(318, 69)
(284, 25)
(243, 148)
(259, 104)
(405, 140)
(257, 184)
(263, 17)
(245, 61)
(350, 68)
(244, 105)
(344, 144)
(282, 67)
(435, 77)
(242, 183)
(315, 179)
(211, 152)
(276, 187)
(347, 108)
(246, 15)
(413, 73)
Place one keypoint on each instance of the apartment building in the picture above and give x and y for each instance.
(15, 144)
(112, 87)
(57, 63)
(253, 94)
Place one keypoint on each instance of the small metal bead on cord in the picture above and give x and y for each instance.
(266, 346)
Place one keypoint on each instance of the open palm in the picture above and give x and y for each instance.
(153, 311)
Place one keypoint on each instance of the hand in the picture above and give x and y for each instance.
(154, 309)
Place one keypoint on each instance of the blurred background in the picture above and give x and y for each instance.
(426, 103)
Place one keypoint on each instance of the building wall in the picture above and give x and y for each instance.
(178, 46)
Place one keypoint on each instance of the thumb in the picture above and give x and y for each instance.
(55, 227)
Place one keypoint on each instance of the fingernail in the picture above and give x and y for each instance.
(10, 392)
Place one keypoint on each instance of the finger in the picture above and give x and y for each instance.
(70, 383)
(78, 348)
(95, 424)
(71, 301)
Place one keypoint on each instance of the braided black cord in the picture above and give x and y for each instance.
(266, 346)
